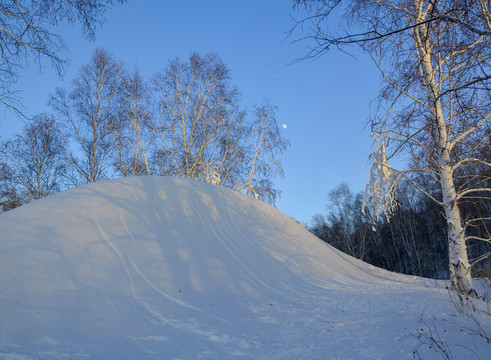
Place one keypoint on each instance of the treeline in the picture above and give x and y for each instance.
(185, 121)
(413, 241)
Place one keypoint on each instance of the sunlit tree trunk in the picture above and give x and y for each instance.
(459, 267)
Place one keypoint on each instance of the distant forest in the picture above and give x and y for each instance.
(413, 241)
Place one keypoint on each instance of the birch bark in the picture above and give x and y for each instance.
(459, 267)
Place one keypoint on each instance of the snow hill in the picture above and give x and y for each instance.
(164, 268)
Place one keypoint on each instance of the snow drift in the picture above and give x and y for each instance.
(164, 268)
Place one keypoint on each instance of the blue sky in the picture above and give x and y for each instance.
(324, 103)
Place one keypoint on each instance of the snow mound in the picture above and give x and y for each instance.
(165, 268)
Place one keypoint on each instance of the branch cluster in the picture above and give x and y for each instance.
(27, 33)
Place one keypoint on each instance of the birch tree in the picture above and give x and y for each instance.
(435, 107)
(90, 110)
(132, 133)
(35, 159)
(9, 199)
(201, 132)
(266, 145)
(200, 128)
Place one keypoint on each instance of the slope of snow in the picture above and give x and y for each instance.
(164, 268)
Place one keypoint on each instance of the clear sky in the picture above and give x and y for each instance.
(324, 103)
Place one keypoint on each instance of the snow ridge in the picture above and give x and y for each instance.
(153, 268)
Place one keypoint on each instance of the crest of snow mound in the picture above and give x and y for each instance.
(146, 267)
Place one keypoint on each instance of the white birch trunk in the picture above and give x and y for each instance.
(460, 271)
(459, 267)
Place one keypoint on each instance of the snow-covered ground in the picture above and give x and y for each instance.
(163, 268)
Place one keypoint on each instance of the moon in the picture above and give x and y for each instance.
(284, 126)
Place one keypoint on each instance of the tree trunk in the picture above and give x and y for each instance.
(459, 267)
(460, 271)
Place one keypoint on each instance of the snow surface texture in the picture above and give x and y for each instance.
(163, 268)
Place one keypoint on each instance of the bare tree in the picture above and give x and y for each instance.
(202, 134)
(35, 160)
(345, 227)
(25, 34)
(200, 128)
(91, 111)
(8, 195)
(132, 133)
(267, 145)
(434, 57)
(342, 217)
